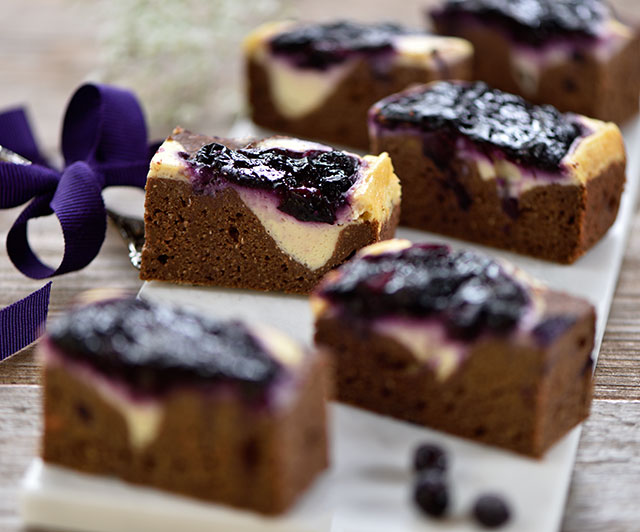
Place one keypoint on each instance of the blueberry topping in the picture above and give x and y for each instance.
(431, 493)
(491, 511)
(155, 348)
(322, 45)
(530, 135)
(311, 186)
(531, 21)
(429, 456)
(468, 292)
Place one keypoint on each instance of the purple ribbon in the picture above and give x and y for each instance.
(104, 143)
(21, 322)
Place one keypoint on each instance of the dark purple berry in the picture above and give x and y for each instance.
(468, 292)
(431, 493)
(155, 348)
(537, 136)
(531, 22)
(430, 457)
(321, 45)
(491, 511)
(311, 185)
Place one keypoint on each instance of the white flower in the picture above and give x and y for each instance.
(183, 58)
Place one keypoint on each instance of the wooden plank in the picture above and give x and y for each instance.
(617, 374)
(20, 427)
(604, 490)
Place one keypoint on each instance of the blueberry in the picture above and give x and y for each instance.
(530, 135)
(311, 186)
(491, 511)
(431, 493)
(534, 22)
(429, 456)
(321, 45)
(469, 293)
(154, 348)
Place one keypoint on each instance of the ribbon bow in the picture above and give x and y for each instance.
(104, 143)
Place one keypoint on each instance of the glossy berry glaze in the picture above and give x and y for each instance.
(469, 293)
(311, 186)
(532, 22)
(156, 348)
(535, 136)
(319, 46)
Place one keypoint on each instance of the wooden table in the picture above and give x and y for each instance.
(45, 60)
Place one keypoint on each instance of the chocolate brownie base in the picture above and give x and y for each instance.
(553, 222)
(517, 396)
(218, 450)
(342, 118)
(217, 240)
(608, 91)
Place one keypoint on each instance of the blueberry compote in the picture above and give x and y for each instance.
(157, 348)
(537, 136)
(311, 186)
(533, 21)
(321, 45)
(469, 293)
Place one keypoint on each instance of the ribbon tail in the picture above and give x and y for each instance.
(19, 183)
(21, 323)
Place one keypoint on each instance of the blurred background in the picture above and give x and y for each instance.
(182, 57)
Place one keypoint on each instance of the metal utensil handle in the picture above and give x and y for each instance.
(9, 156)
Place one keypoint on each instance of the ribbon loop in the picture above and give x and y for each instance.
(104, 124)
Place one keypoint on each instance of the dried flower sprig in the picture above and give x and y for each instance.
(182, 57)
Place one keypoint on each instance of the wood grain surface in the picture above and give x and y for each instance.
(49, 47)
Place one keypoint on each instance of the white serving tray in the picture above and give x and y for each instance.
(368, 486)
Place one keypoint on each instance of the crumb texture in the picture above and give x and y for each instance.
(217, 240)
(553, 222)
(515, 395)
(215, 450)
